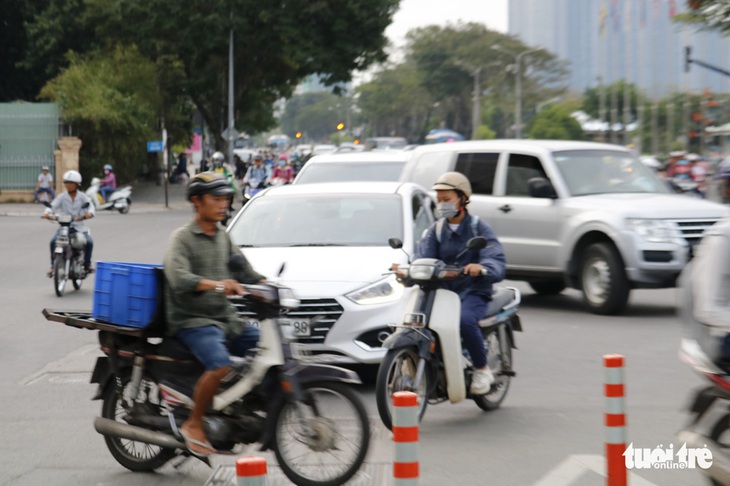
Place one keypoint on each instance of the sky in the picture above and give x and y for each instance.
(419, 13)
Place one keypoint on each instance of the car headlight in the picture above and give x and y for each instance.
(380, 292)
(652, 230)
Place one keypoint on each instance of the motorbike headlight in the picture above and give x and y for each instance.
(380, 292)
(421, 272)
(652, 230)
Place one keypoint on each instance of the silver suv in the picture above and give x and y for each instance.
(580, 214)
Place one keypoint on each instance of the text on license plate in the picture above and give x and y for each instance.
(299, 327)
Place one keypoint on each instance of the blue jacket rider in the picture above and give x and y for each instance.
(475, 291)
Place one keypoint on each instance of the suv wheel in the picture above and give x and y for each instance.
(603, 280)
(552, 286)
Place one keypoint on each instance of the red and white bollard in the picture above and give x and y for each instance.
(405, 436)
(251, 471)
(615, 420)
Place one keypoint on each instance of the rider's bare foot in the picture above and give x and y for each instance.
(195, 440)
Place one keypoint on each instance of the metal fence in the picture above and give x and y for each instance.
(29, 134)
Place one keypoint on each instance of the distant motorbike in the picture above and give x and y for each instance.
(307, 413)
(251, 188)
(425, 353)
(120, 200)
(68, 261)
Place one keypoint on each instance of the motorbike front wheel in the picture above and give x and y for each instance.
(60, 275)
(323, 440)
(397, 373)
(135, 456)
(499, 358)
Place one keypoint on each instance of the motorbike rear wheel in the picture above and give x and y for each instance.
(323, 440)
(135, 456)
(60, 275)
(499, 358)
(397, 372)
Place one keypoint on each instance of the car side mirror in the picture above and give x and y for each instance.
(541, 188)
(395, 243)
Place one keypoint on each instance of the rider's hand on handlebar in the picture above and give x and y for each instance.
(394, 267)
(232, 287)
(474, 270)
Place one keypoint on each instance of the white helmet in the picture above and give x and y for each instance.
(218, 157)
(72, 176)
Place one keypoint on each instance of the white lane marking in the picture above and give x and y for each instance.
(568, 471)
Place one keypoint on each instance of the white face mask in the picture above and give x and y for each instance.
(446, 210)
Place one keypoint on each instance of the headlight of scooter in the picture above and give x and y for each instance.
(381, 292)
(421, 272)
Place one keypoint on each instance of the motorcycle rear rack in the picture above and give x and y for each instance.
(83, 320)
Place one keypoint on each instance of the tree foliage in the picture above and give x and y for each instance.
(276, 44)
(110, 100)
(707, 14)
(316, 115)
(434, 85)
(592, 99)
(555, 123)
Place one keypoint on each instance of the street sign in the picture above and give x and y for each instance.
(155, 146)
(229, 134)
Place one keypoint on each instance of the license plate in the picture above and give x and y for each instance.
(299, 327)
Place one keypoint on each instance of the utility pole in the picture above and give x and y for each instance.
(670, 125)
(231, 130)
(476, 105)
(602, 104)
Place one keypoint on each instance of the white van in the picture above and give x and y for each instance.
(580, 214)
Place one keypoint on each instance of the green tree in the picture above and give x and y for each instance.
(315, 114)
(555, 123)
(395, 102)
(110, 100)
(592, 99)
(708, 14)
(448, 57)
(276, 45)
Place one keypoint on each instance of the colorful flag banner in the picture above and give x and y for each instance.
(672, 8)
(602, 17)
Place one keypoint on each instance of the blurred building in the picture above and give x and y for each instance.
(637, 40)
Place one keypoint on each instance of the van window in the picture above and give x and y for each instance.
(421, 219)
(520, 169)
(429, 167)
(479, 168)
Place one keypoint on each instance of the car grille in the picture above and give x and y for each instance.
(327, 311)
(692, 230)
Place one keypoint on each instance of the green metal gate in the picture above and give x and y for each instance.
(29, 134)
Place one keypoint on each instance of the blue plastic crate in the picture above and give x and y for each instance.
(125, 293)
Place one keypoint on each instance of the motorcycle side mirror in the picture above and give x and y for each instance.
(395, 243)
(477, 243)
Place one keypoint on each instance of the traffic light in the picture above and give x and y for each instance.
(357, 141)
(340, 126)
(687, 58)
(299, 135)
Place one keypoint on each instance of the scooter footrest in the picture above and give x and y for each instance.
(508, 373)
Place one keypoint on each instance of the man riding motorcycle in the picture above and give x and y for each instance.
(198, 312)
(444, 240)
(72, 202)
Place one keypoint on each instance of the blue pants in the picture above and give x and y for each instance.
(106, 191)
(211, 347)
(44, 189)
(473, 309)
(87, 249)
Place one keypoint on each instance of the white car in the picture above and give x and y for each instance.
(332, 240)
(354, 166)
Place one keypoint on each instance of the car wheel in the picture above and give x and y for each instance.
(551, 286)
(603, 279)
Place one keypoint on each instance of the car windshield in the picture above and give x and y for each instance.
(351, 172)
(319, 220)
(589, 172)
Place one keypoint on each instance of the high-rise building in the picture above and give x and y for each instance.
(612, 40)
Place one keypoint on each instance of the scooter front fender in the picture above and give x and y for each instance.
(403, 338)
